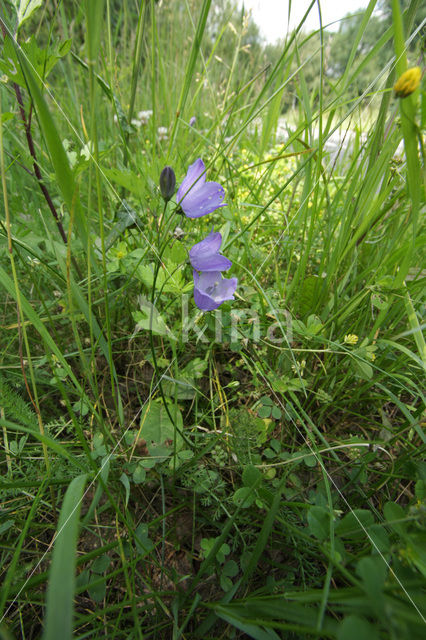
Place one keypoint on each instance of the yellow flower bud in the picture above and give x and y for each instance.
(351, 338)
(408, 82)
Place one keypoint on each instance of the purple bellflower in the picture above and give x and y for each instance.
(192, 121)
(196, 196)
(205, 256)
(211, 289)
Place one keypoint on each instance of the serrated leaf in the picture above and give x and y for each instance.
(181, 388)
(25, 9)
(126, 218)
(178, 253)
(195, 368)
(363, 369)
(40, 60)
(169, 279)
(149, 319)
(126, 179)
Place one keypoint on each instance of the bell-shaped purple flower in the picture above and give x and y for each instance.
(211, 289)
(196, 196)
(205, 256)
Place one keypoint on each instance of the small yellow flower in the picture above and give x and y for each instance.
(351, 338)
(408, 82)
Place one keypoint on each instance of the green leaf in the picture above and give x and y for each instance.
(181, 388)
(420, 489)
(5, 116)
(169, 279)
(97, 591)
(195, 368)
(373, 571)
(310, 460)
(353, 524)
(25, 9)
(178, 253)
(126, 483)
(155, 323)
(264, 411)
(158, 430)
(126, 217)
(244, 497)
(319, 522)
(101, 564)
(276, 413)
(58, 156)
(4, 526)
(396, 517)
(144, 544)
(363, 369)
(416, 551)
(308, 295)
(225, 583)
(251, 476)
(126, 179)
(139, 474)
(61, 586)
(379, 538)
(41, 61)
(230, 569)
(9, 62)
(353, 628)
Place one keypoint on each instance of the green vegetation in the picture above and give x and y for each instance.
(256, 471)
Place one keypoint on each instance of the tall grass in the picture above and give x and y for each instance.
(252, 472)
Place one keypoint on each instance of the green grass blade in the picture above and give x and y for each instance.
(64, 175)
(60, 590)
(190, 69)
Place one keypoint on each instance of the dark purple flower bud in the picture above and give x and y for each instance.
(196, 196)
(211, 289)
(167, 183)
(205, 256)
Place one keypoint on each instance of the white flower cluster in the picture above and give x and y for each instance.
(141, 119)
(162, 133)
(144, 116)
